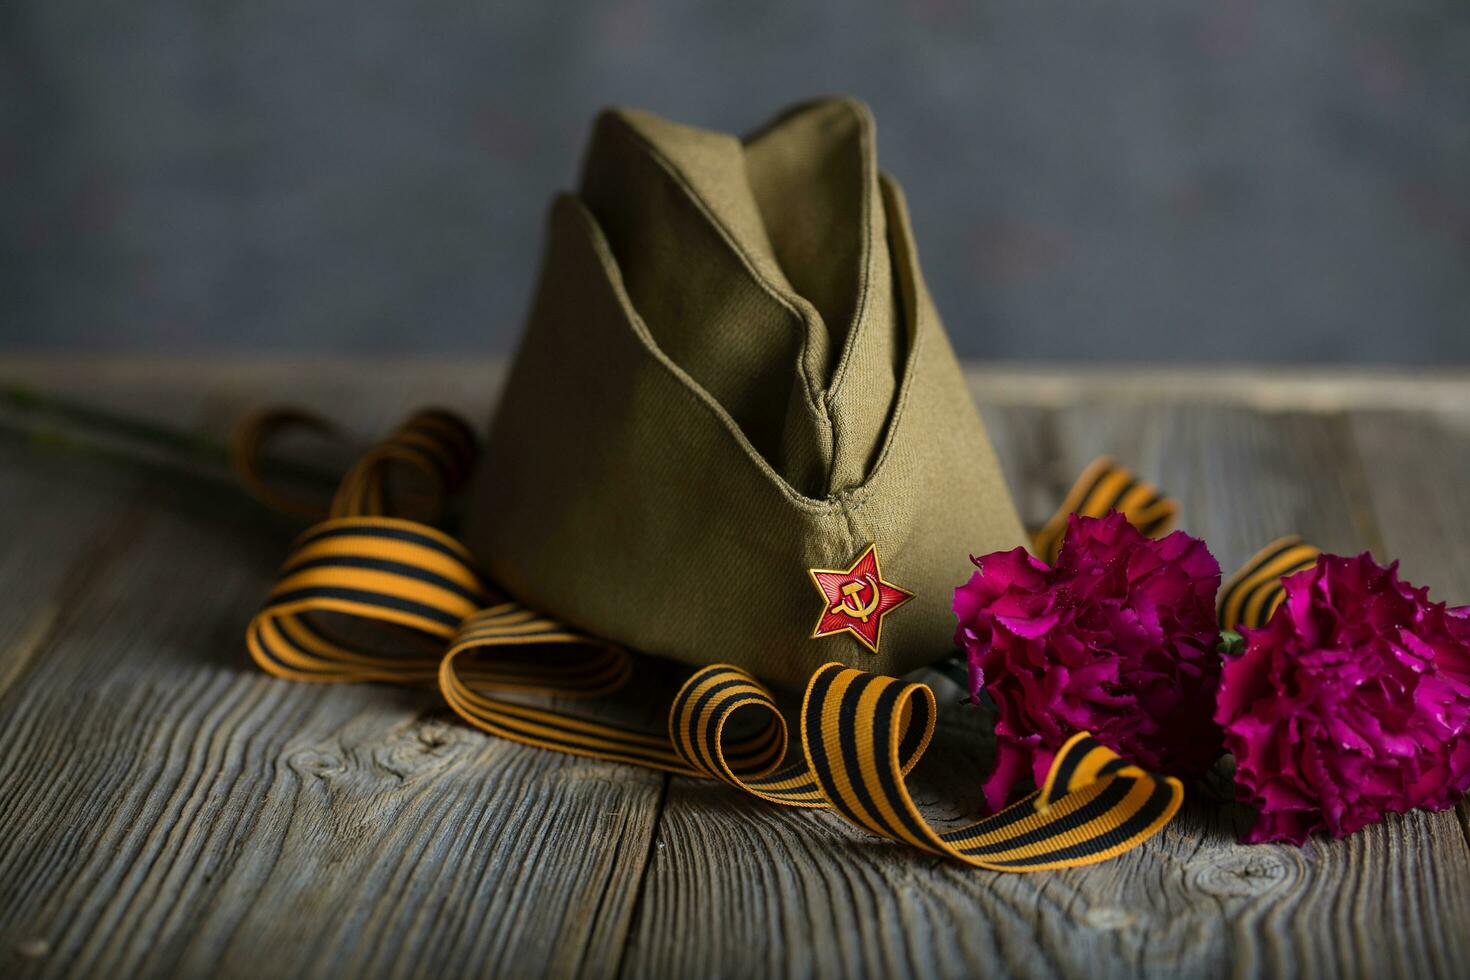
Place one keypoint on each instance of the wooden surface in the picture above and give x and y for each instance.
(169, 810)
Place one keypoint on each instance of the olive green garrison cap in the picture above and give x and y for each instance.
(735, 431)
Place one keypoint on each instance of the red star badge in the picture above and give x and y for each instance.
(856, 599)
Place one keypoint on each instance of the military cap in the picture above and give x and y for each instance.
(735, 431)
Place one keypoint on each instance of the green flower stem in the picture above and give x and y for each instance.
(61, 423)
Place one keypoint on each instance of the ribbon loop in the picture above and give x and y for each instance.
(376, 569)
(247, 454)
(697, 721)
(863, 733)
(437, 445)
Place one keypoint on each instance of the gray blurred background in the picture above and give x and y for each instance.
(1185, 182)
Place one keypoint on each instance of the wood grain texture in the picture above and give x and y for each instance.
(170, 811)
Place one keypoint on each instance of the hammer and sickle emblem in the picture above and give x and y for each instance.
(853, 606)
(856, 599)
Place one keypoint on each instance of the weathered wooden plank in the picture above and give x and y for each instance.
(171, 810)
(737, 889)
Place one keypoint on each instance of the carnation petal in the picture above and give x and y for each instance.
(1030, 627)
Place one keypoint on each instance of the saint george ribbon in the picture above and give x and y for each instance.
(423, 614)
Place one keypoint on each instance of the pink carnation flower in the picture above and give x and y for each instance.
(1353, 701)
(1119, 639)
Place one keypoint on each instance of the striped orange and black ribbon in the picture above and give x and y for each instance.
(1104, 487)
(1252, 594)
(860, 734)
